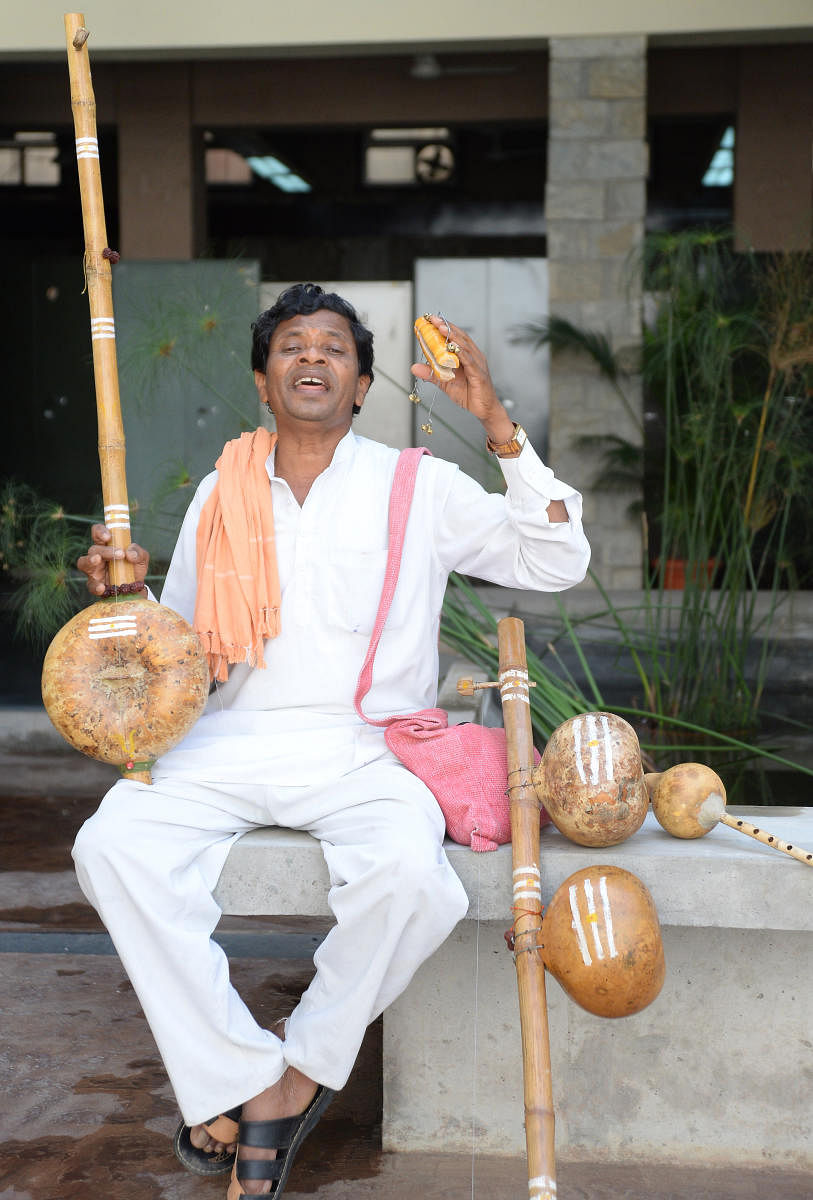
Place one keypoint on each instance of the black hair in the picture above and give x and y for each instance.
(302, 299)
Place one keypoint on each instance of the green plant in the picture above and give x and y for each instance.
(192, 334)
(39, 545)
(726, 366)
(39, 553)
(727, 363)
(469, 627)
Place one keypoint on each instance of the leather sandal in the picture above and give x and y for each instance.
(222, 1128)
(286, 1136)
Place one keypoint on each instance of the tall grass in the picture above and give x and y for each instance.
(727, 370)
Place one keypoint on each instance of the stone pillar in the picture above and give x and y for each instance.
(161, 184)
(595, 209)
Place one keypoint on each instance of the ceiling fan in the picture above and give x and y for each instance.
(435, 163)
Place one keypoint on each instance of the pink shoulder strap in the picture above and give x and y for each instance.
(403, 487)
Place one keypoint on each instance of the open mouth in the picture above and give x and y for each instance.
(310, 383)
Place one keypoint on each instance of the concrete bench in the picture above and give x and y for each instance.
(718, 1070)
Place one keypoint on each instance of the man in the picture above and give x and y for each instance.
(280, 742)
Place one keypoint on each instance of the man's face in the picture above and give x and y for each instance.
(311, 377)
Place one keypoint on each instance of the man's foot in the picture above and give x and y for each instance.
(201, 1138)
(216, 1139)
(288, 1097)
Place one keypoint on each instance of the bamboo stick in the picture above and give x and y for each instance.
(527, 908)
(126, 678)
(767, 839)
(98, 275)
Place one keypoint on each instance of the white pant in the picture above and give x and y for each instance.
(149, 859)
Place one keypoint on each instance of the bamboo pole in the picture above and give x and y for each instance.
(527, 908)
(126, 678)
(98, 275)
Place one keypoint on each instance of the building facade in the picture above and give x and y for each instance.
(354, 143)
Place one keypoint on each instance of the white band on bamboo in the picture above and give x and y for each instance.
(541, 1187)
(111, 627)
(514, 685)
(102, 327)
(87, 147)
(527, 884)
(534, 894)
(117, 516)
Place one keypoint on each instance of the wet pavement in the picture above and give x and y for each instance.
(85, 1108)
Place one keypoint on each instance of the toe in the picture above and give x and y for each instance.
(199, 1137)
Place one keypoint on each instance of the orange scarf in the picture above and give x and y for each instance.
(238, 597)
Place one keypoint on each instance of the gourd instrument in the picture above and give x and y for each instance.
(689, 799)
(127, 677)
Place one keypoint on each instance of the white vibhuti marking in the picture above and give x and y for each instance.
(577, 925)
(111, 627)
(593, 918)
(102, 327)
(541, 1187)
(608, 748)
(608, 916)
(87, 147)
(577, 749)
(592, 733)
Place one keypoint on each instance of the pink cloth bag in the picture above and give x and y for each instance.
(464, 766)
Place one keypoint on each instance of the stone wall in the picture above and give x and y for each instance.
(595, 209)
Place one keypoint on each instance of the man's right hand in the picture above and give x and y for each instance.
(96, 563)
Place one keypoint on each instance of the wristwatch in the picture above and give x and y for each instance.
(509, 449)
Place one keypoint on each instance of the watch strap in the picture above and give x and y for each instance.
(511, 448)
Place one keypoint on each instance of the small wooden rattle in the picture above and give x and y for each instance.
(689, 799)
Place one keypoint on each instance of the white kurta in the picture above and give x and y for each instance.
(284, 746)
(331, 554)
